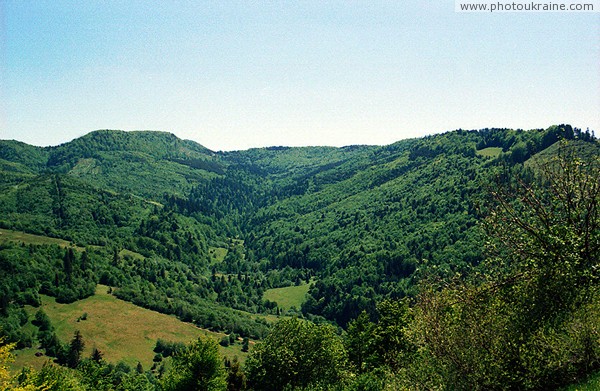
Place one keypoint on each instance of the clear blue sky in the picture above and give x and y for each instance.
(240, 74)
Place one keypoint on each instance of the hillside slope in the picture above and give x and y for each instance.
(364, 222)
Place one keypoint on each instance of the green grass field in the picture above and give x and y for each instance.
(128, 253)
(7, 235)
(490, 152)
(287, 297)
(217, 254)
(120, 330)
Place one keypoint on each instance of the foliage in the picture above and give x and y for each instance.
(296, 354)
(367, 222)
(360, 227)
(89, 375)
(531, 321)
(75, 349)
(198, 367)
(236, 379)
(5, 359)
(383, 343)
(168, 348)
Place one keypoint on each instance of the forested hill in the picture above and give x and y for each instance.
(185, 230)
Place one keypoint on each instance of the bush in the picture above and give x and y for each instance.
(224, 341)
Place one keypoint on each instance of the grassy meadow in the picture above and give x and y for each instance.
(288, 297)
(120, 330)
(217, 254)
(7, 235)
(490, 152)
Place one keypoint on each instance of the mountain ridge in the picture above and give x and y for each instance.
(364, 222)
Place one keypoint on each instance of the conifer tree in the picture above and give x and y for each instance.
(75, 349)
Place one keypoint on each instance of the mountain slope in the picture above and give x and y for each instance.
(366, 222)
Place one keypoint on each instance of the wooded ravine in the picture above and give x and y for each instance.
(467, 260)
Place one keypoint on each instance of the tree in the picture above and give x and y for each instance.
(50, 377)
(236, 380)
(383, 343)
(43, 321)
(545, 228)
(85, 259)
(224, 341)
(359, 341)
(390, 333)
(54, 347)
(68, 261)
(245, 344)
(199, 367)
(529, 318)
(232, 338)
(75, 349)
(97, 355)
(297, 353)
(5, 359)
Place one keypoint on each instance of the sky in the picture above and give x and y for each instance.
(234, 75)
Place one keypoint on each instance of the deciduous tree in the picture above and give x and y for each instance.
(199, 367)
(297, 353)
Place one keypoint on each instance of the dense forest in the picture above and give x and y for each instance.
(465, 260)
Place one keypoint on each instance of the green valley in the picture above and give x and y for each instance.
(464, 260)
